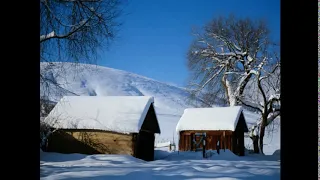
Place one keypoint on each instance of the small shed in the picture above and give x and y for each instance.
(104, 125)
(224, 124)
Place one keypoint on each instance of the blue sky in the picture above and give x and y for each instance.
(156, 34)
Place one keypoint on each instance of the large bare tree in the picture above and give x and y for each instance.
(73, 31)
(226, 55)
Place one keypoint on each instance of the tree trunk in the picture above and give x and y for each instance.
(262, 129)
(261, 144)
(255, 140)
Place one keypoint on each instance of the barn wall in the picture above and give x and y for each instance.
(185, 141)
(233, 141)
(239, 136)
(90, 142)
(144, 146)
(150, 122)
(144, 140)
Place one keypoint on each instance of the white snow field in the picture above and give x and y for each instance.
(170, 102)
(185, 165)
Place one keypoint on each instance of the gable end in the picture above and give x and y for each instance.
(150, 122)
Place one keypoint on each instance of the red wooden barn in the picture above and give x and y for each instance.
(224, 124)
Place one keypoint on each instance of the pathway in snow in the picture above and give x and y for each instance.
(185, 165)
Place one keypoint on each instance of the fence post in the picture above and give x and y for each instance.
(224, 140)
(192, 141)
(204, 147)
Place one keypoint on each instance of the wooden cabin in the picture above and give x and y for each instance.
(224, 124)
(104, 125)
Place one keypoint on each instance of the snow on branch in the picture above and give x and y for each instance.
(231, 46)
(274, 97)
(226, 54)
(250, 59)
(260, 67)
(262, 63)
(211, 78)
(270, 73)
(50, 35)
(252, 71)
(205, 42)
(242, 81)
(272, 116)
(73, 30)
(238, 73)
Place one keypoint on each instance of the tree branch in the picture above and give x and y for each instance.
(211, 78)
(273, 116)
(72, 31)
(248, 104)
(270, 73)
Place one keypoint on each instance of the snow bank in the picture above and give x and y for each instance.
(210, 155)
(58, 157)
(276, 153)
(187, 165)
(161, 154)
(224, 154)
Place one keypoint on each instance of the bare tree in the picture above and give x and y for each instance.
(224, 53)
(73, 31)
(265, 98)
(226, 56)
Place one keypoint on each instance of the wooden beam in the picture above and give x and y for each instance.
(218, 132)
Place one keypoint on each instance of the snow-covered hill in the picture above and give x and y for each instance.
(170, 101)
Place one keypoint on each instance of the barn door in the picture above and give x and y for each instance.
(145, 146)
(198, 141)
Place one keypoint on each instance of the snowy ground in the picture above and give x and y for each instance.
(185, 165)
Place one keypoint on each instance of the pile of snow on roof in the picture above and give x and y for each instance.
(218, 118)
(123, 114)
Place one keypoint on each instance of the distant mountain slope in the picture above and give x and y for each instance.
(92, 80)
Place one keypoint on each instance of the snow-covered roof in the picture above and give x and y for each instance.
(123, 114)
(217, 118)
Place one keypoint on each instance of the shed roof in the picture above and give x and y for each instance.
(217, 118)
(124, 114)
